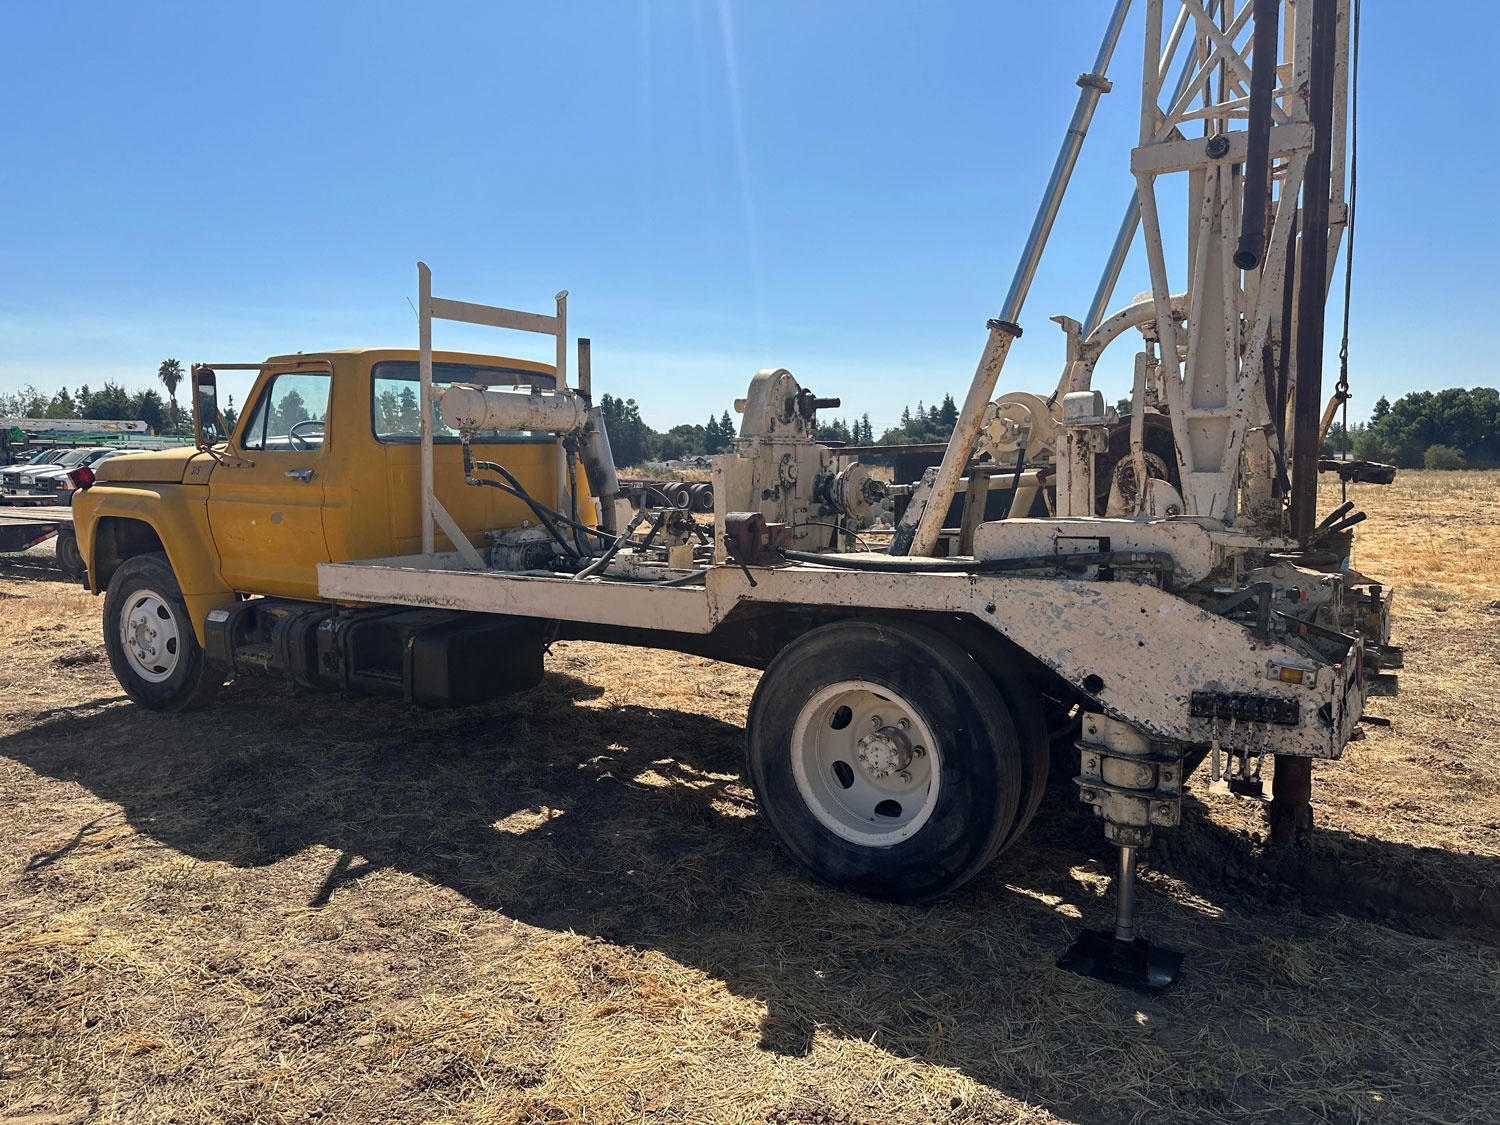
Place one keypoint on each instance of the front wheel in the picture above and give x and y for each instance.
(149, 637)
(884, 759)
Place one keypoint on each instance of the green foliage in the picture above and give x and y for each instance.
(629, 436)
(681, 441)
(1403, 431)
(922, 425)
(112, 402)
(837, 430)
(948, 413)
(1442, 457)
(1333, 444)
(717, 434)
(150, 409)
(61, 405)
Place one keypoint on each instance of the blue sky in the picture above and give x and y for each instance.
(837, 188)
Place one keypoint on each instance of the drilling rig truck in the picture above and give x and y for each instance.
(423, 523)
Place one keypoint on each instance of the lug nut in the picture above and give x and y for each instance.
(905, 776)
(904, 724)
(919, 751)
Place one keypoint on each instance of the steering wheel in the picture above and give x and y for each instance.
(298, 440)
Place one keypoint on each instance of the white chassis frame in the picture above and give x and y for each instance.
(1151, 650)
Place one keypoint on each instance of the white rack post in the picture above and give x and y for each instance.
(430, 308)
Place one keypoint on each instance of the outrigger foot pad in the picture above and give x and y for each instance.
(1135, 963)
(1121, 957)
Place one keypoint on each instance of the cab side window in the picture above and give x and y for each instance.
(290, 413)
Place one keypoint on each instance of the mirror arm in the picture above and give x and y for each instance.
(199, 371)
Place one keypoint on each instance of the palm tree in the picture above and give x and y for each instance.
(170, 374)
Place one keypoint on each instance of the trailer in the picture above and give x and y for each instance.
(1157, 591)
(26, 527)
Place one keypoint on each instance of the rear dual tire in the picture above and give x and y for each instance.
(887, 762)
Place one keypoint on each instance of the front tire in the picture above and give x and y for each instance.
(884, 759)
(149, 637)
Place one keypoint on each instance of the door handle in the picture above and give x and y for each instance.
(304, 475)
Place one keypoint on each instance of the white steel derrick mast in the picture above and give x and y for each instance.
(1218, 374)
(1221, 342)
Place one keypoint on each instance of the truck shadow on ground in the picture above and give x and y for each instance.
(32, 565)
(630, 823)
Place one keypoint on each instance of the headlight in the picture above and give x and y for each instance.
(27, 480)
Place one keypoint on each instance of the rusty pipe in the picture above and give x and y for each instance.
(1312, 295)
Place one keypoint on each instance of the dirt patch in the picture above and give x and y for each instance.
(563, 907)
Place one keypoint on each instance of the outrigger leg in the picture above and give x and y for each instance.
(1133, 785)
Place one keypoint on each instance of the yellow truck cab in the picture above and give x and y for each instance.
(322, 466)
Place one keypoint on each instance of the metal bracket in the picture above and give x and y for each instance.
(1133, 784)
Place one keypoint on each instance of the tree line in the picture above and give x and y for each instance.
(1449, 429)
(111, 402)
(634, 442)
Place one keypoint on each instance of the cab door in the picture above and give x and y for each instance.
(265, 507)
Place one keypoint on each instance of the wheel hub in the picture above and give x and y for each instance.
(886, 750)
(142, 636)
(150, 636)
(866, 763)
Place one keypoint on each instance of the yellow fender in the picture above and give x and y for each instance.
(177, 515)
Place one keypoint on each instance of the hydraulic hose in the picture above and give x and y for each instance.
(537, 510)
(613, 549)
(518, 490)
(891, 564)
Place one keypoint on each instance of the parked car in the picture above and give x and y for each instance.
(23, 483)
(12, 474)
(54, 480)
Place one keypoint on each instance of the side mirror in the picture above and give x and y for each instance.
(209, 429)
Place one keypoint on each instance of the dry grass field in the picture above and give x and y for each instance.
(564, 908)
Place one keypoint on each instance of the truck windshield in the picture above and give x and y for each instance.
(395, 390)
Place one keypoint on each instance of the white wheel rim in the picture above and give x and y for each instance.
(866, 763)
(150, 636)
